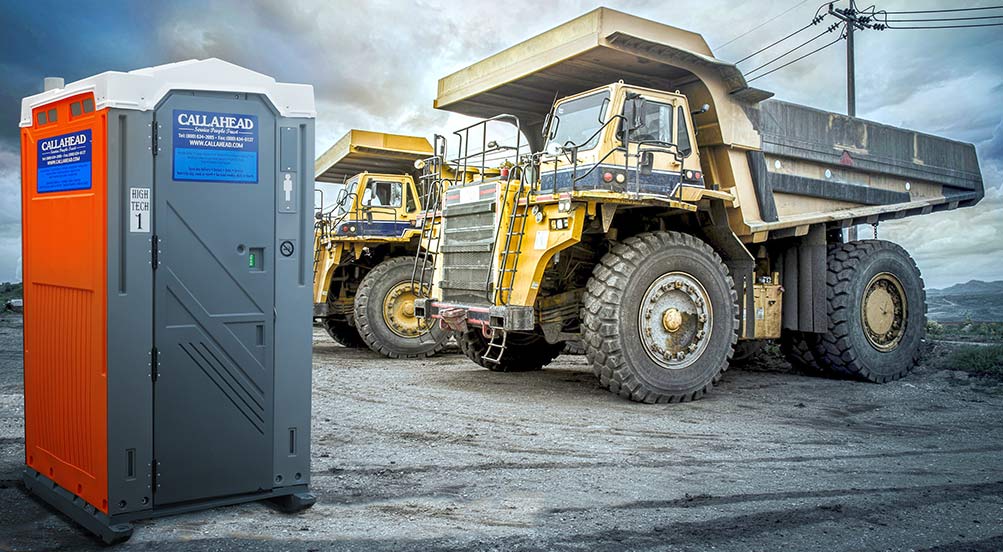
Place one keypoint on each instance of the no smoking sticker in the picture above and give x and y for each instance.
(139, 210)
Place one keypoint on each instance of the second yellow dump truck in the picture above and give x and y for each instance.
(666, 213)
(365, 241)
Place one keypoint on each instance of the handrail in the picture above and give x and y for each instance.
(462, 162)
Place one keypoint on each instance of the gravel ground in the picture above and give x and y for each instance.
(440, 454)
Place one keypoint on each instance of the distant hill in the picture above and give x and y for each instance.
(974, 300)
(971, 287)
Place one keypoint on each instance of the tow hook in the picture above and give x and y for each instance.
(454, 319)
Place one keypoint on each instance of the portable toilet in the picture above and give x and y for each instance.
(167, 223)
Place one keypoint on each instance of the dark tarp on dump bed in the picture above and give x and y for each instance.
(796, 131)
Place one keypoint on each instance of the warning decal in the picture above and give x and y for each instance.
(215, 147)
(64, 163)
(139, 209)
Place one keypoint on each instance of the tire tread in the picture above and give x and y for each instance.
(601, 309)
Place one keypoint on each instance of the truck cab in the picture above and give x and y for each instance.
(621, 138)
(376, 205)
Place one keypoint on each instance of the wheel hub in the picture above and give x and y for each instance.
(398, 312)
(675, 320)
(884, 312)
(672, 320)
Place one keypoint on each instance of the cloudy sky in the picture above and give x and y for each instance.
(374, 65)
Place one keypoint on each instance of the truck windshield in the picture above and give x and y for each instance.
(578, 119)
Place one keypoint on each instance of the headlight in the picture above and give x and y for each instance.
(419, 164)
(564, 205)
(539, 216)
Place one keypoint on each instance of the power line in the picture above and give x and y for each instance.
(792, 50)
(764, 23)
(947, 26)
(938, 19)
(945, 11)
(814, 22)
(815, 51)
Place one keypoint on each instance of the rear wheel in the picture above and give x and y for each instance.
(745, 350)
(343, 333)
(524, 352)
(661, 318)
(877, 312)
(384, 313)
(798, 348)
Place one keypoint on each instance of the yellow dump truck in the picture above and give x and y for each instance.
(365, 241)
(667, 213)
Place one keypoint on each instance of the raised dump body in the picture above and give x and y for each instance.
(367, 151)
(662, 183)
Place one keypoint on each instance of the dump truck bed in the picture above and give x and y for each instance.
(816, 166)
(366, 151)
(790, 166)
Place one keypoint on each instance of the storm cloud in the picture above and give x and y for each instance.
(375, 65)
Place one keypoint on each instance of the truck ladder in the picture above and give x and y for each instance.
(512, 249)
(496, 346)
(321, 236)
(431, 220)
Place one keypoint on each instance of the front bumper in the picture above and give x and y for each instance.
(509, 318)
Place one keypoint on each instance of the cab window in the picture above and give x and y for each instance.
(576, 121)
(657, 123)
(383, 194)
(682, 132)
(411, 207)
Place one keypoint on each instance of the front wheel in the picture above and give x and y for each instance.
(661, 318)
(384, 313)
(343, 333)
(524, 352)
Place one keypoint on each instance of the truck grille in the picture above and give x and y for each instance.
(467, 239)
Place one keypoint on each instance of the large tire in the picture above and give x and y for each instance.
(524, 352)
(799, 350)
(877, 312)
(642, 273)
(384, 313)
(343, 333)
(746, 350)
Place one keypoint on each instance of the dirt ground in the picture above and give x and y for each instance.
(440, 454)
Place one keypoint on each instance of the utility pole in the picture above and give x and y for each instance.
(853, 21)
(851, 71)
(850, 17)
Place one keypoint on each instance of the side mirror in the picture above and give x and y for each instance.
(703, 109)
(646, 163)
